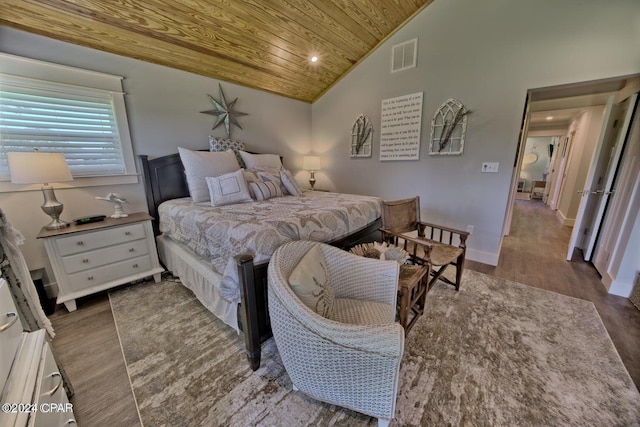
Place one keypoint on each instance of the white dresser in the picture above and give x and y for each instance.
(31, 391)
(89, 258)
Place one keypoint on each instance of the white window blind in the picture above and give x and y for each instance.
(77, 121)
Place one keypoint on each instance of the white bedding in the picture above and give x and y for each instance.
(218, 234)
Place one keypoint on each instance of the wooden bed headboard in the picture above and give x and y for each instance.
(163, 179)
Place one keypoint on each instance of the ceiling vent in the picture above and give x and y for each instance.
(404, 55)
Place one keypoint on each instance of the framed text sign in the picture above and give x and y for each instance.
(400, 124)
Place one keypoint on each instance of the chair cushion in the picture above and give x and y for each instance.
(310, 281)
(441, 253)
(362, 312)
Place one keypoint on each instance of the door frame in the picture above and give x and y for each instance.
(517, 165)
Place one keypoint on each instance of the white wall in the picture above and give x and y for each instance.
(485, 54)
(164, 107)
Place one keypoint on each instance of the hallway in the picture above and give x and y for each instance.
(534, 254)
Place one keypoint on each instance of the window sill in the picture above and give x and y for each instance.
(94, 181)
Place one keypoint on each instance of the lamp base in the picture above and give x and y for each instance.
(53, 208)
(312, 180)
(56, 224)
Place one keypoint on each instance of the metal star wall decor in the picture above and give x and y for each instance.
(224, 112)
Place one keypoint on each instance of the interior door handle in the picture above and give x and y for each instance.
(13, 318)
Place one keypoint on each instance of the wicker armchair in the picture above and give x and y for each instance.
(353, 359)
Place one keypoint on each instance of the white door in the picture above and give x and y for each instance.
(601, 173)
(553, 170)
(604, 187)
(558, 170)
(587, 201)
(622, 211)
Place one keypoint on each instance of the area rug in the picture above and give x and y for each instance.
(496, 353)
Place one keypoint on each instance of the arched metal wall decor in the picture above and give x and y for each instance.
(448, 129)
(361, 137)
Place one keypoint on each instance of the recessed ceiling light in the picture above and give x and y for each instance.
(549, 118)
(314, 59)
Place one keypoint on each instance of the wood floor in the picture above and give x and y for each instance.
(87, 343)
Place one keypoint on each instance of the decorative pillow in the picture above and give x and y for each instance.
(265, 174)
(228, 188)
(265, 190)
(224, 144)
(290, 183)
(200, 164)
(260, 160)
(310, 281)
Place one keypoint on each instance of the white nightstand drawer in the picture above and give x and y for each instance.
(108, 273)
(100, 257)
(51, 399)
(11, 334)
(82, 242)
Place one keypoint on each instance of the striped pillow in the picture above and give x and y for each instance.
(265, 190)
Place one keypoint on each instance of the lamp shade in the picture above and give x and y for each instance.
(38, 168)
(311, 163)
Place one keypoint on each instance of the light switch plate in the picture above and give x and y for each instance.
(490, 167)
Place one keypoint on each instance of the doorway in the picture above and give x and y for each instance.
(575, 115)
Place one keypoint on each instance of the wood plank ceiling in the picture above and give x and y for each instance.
(263, 44)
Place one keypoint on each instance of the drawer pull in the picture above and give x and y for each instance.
(57, 386)
(71, 421)
(90, 278)
(135, 265)
(132, 250)
(13, 319)
(127, 233)
(85, 261)
(80, 243)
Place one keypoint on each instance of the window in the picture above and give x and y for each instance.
(87, 122)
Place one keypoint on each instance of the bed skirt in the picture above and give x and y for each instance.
(198, 276)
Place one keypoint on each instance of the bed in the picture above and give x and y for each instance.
(164, 181)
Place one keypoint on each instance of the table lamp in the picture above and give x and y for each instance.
(41, 168)
(312, 164)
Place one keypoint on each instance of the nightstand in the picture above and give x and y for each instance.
(93, 257)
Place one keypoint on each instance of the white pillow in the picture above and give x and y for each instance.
(200, 164)
(290, 183)
(260, 160)
(228, 189)
(310, 281)
(265, 190)
(223, 144)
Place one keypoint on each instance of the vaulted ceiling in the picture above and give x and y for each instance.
(263, 44)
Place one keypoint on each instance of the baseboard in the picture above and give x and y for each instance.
(567, 222)
(607, 280)
(483, 257)
(621, 288)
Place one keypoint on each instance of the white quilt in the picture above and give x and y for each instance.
(218, 234)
